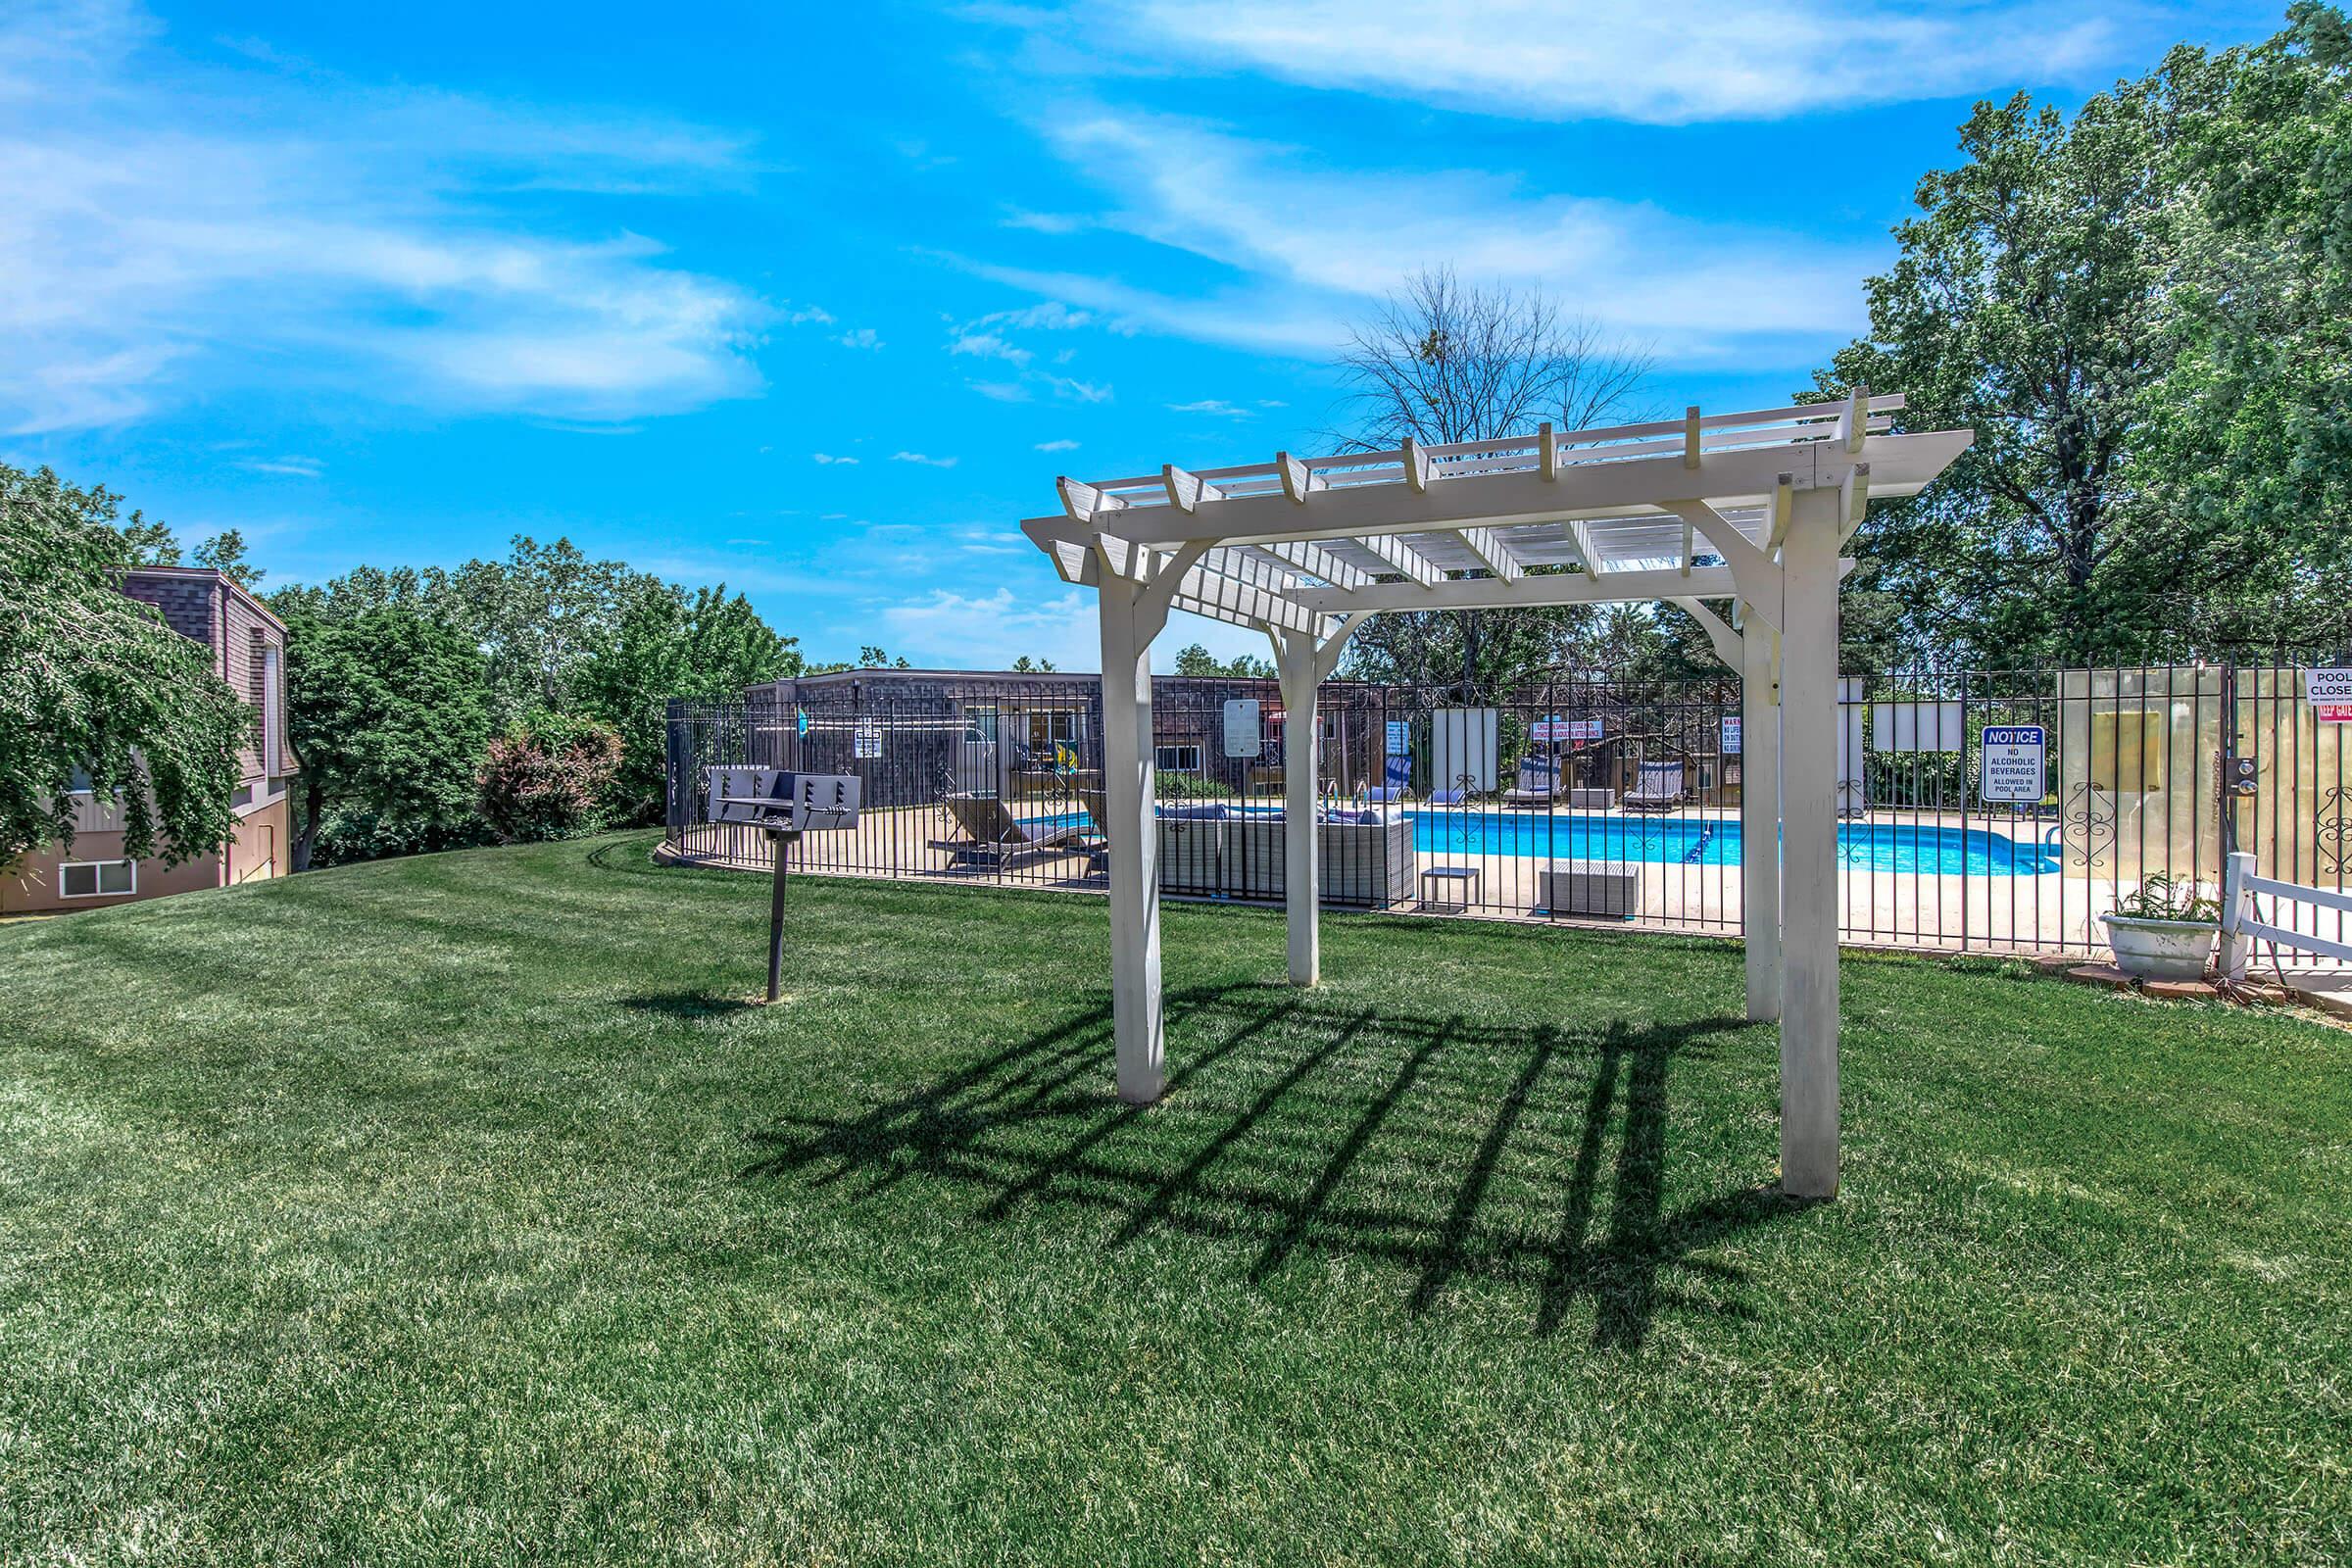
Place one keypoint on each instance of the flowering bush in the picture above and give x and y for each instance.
(548, 777)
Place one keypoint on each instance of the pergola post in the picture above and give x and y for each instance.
(1809, 845)
(1760, 817)
(1128, 624)
(1298, 666)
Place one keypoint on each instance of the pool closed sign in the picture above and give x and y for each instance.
(2329, 693)
(2013, 763)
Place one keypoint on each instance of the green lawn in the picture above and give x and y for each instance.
(451, 1210)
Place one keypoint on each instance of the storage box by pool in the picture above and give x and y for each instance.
(1214, 849)
(1592, 887)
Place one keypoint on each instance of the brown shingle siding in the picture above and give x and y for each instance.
(207, 607)
(187, 603)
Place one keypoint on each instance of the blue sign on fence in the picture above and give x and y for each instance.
(1400, 737)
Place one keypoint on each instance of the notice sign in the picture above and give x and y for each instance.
(2014, 764)
(2329, 693)
(1400, 737)
(1244, 735)
(1731, 735)
(866, 739)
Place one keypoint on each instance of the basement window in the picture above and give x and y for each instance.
(94, 879)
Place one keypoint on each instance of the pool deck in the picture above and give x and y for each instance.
(2000, 912)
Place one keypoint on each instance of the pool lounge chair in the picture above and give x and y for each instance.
(1539, 783)
(993, 835)
(1396, 782)
(1659, 788)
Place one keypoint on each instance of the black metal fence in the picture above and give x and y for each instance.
(1578, 798)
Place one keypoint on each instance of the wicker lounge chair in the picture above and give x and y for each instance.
(993, 835)
(1539, 783)
(1659, 788)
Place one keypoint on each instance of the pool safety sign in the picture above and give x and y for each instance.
(1244, 735)
(2329, 693)
(2014, 764)
(1731, 735)
(866, 739)
(1400, 737)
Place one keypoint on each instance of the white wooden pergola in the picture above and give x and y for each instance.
(1752, 508)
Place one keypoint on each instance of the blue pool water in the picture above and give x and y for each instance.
(1893, 847)
(1898, 847)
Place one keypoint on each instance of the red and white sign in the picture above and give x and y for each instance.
(2329, 693)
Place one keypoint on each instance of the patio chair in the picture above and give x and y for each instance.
(1539, 783)
(1396, 782)
(1659, 788)
(993, 835)
(1449, 796)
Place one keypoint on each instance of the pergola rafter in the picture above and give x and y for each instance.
(1753, 508)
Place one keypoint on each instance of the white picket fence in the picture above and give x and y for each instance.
(2292, 904)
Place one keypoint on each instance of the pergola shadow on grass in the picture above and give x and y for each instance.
(1379, 1137)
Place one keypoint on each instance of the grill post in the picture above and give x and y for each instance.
(781, 843)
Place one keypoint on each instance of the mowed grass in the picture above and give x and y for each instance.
(454, 1211)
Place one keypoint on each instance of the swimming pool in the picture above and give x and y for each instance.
(1898, 847)
(1892, 847)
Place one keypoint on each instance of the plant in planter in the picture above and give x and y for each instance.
(2163, 932)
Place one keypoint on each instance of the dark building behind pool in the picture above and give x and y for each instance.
(1020, 736)
(930, 732)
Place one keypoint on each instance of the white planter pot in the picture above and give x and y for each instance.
(2159, 950)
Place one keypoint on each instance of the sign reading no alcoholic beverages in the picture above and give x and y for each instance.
(2013, 763)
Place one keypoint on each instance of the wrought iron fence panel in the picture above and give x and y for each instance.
(1579, 797)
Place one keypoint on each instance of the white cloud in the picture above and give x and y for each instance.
(289, 466)
(1216, 406)
(830, 460)
(1063, 445)
(1630, 60)
(169, 229)
(920, 457)
(1000, 391)
(860, 337)
(1697, 290)
(988, 345)
(809, 313)
(948, 630)
(1078, 391)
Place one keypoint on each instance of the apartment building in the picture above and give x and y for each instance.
(249, 648)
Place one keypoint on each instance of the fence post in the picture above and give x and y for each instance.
(2237, 948)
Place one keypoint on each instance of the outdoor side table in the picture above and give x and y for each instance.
(1464, 877)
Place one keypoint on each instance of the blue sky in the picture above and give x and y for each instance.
(818, 301)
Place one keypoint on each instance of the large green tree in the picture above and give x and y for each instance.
(538, 617)
(671, 645)
(96, 692)
(2140, 311)
(390, 718)
(2249, 428)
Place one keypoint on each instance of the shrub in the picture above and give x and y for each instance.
(1192, 787)
(548, 778)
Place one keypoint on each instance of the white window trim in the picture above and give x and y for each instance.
(97, 892)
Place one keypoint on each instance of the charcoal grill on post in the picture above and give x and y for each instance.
(783, 805)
